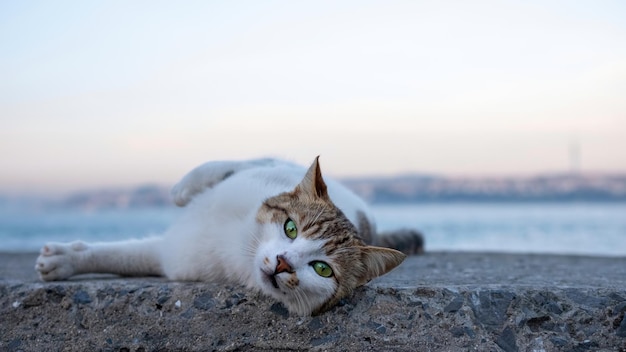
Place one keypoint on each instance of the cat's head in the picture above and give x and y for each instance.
(310, 255)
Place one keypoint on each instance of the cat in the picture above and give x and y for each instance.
(268, 224)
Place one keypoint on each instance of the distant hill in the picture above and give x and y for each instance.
(563, 187)
(138, 197)
(403, 189)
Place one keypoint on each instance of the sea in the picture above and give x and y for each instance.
(593, 229)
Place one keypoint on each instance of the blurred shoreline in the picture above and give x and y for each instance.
(579, 228)
(407, 189)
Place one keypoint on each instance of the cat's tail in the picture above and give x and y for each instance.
(407, 241)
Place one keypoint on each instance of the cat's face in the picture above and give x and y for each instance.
(309, 255)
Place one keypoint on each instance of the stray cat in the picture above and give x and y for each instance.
(267, 224)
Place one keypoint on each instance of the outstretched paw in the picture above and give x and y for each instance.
(56, 261)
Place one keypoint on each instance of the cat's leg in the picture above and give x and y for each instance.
(211, 173)
(59, 261)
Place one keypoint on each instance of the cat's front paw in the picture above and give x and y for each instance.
(56, 261)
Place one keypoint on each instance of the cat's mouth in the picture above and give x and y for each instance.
(273, 280)
(270, 277)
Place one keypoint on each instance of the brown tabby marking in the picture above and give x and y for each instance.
(293, 281)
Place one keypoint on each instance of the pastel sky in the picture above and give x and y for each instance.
(115, 93)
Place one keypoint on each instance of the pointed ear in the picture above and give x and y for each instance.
(313, 183)
(379, 261)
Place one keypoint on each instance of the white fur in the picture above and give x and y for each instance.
(217, 238)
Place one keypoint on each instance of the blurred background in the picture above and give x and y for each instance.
(490, 125)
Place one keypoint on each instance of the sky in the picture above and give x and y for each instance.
(119, 93)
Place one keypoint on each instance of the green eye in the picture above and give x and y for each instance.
(290, 229)
(322, 269)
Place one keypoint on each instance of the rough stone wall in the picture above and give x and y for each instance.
(156, 315)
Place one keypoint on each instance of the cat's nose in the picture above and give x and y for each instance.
(283, 265)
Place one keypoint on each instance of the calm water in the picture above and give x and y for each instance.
(586, 228)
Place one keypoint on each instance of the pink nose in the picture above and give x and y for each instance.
(283, 265)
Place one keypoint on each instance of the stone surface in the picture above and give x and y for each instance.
(436, 302)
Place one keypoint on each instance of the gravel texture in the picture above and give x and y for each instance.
(434, 302)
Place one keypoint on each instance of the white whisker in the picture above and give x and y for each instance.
(252, 246)
(320, 212)
(301, 300)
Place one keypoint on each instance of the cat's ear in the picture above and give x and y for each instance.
(378, 261)
(313, 184)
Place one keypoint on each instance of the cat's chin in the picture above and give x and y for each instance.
(276, 288)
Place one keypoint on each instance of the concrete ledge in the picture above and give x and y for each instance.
(440, 301)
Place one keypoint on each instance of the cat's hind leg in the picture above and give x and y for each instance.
(59, 261)
(211, 173)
